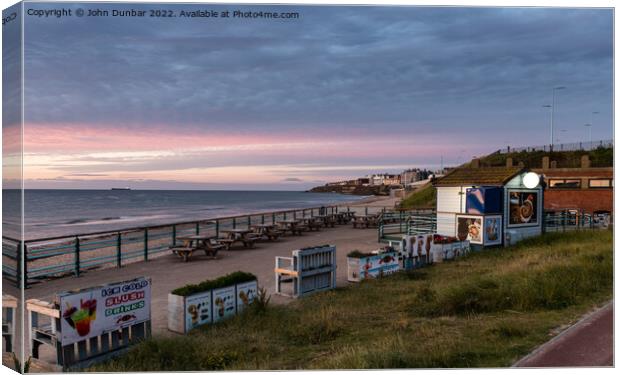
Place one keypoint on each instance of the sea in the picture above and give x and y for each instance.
(51, 213)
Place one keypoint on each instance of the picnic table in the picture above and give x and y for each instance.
(365, 221)
(209, 244)
(266, 230)
(312, 222)
(330, 220)
(245, 236)
(292, 225)
(344, 217)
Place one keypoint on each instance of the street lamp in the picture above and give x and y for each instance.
(552, 106)
(589, 126)
(592, 124)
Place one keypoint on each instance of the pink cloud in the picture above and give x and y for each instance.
(11, 136)
(76, 138)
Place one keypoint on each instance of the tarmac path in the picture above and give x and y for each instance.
(589, 342)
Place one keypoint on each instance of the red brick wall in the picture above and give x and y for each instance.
(587, 199)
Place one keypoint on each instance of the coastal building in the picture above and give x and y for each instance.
(489, 206)
(584, 188)
(384, 179)
(410, 176)
(364, 181)
(391, 179)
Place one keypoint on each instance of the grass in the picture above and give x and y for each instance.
(487, 309)
(425, 197)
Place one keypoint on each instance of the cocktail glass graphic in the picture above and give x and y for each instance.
(80, 319)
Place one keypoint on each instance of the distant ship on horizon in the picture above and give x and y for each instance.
(119, 188)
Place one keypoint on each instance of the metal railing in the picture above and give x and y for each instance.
(569, 219)
(576, 146)
(60, 256)
(398, 223)
(422, 224)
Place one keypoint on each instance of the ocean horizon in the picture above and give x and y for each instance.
(65, 212)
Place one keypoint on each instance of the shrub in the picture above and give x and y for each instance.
(227, 280)
(358, 254)
(261, 301)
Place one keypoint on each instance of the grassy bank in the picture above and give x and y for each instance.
(599, 157)
(486, 309)
(425, 197)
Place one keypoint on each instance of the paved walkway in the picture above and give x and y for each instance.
(589, 342)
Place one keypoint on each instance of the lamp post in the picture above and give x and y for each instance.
(551, 124)
(552, 106)
(592, 124)
(589, 126)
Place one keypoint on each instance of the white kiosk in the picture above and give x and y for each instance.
(490, 206)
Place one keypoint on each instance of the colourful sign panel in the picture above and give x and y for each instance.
(224, 303)
(92, 312)
(246, 293)
(523, 208)
(198, 310)
(492, 230)
(469, 228)
(378, 265)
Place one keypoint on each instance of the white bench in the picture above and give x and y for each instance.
(311, 270)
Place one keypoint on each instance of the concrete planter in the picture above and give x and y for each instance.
(188, 312)
(372, 266)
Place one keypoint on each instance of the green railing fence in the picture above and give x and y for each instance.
(568, 219)
(394, 224)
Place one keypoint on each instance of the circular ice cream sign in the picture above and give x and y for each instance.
(531, 180)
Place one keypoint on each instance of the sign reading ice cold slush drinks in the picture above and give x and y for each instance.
(91, 312)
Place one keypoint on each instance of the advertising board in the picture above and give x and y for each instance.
(91, 312)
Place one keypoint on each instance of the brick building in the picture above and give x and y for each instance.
(587, 188)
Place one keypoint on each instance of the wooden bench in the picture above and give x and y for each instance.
(211, 247)
(227, 242)
(183, 252)
(294, 229)
(330, 221)
(310, 269)
(249, 240)
(314, 225)
(360, 222)
(273, 234)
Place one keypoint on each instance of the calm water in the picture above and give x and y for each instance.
(66, 212)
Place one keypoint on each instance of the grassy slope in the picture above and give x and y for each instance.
(425, 197)
(600, 157)
(486, 309)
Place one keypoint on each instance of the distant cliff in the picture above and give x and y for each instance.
(352, 189)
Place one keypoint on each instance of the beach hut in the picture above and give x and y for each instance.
(489, 205)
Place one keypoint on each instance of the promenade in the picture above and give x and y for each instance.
(169, 272)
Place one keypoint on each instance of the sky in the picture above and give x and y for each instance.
(287, 104)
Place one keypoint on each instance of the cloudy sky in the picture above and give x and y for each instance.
(339, 92)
